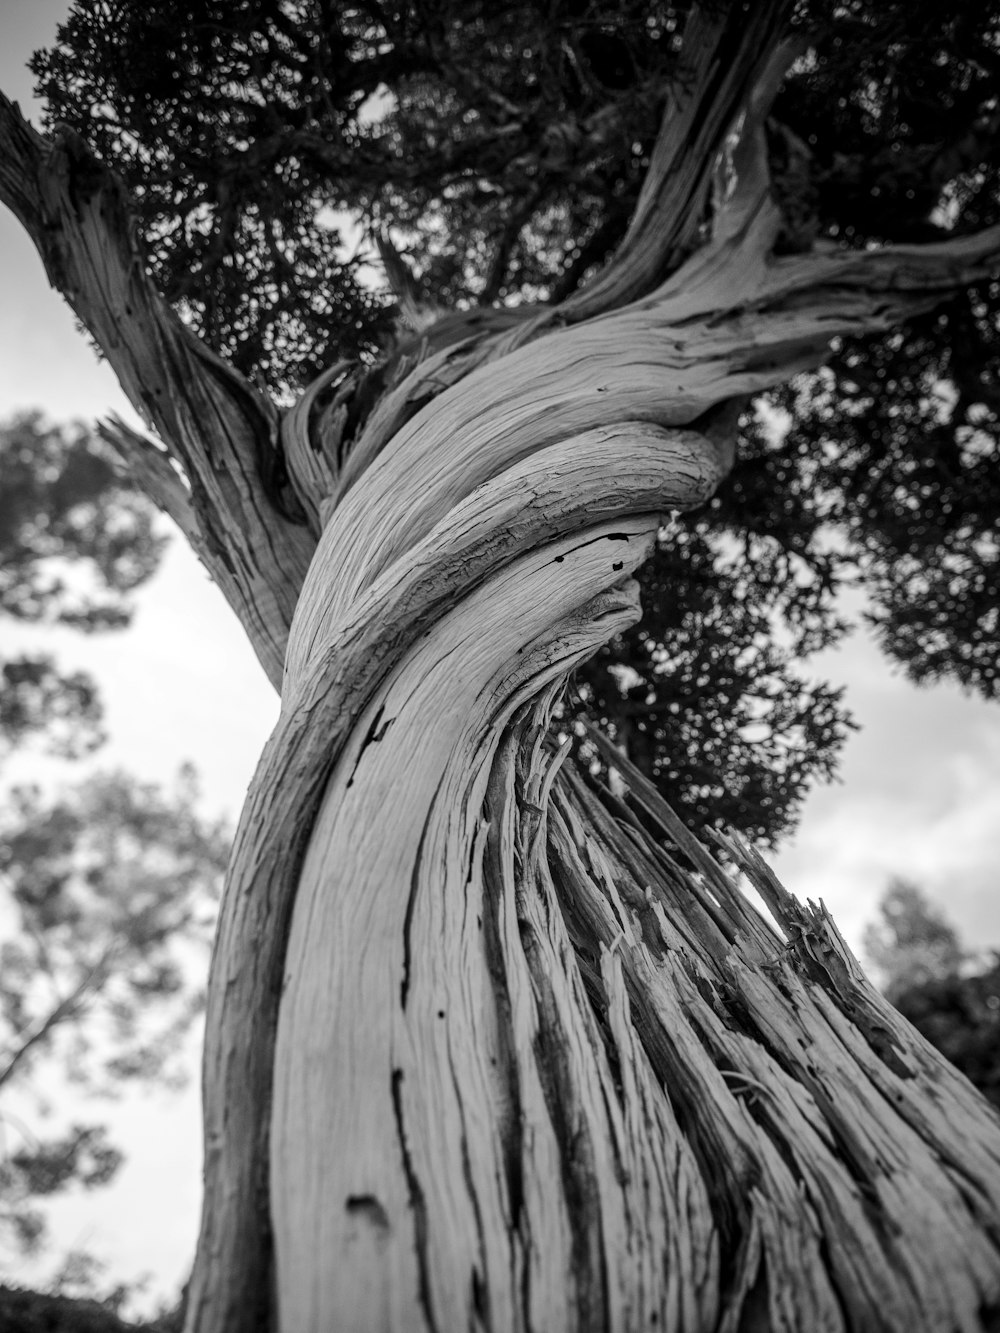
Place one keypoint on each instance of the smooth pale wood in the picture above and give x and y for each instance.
(412, 966)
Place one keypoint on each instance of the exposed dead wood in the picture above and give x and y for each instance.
(743, 1131)
(431, 731)
(220, 430)
(728, 55)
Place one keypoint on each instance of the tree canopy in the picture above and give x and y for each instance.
(502, 147)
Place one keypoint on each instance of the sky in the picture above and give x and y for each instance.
(918, 796)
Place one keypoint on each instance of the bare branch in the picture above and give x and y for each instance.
(216, 425)
(62, 1011)
(742, 180)
(149, 464)
(726, 50)
(404, 286)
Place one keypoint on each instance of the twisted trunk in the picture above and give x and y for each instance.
(488, 1046)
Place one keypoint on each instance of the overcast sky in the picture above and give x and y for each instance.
(919, 794)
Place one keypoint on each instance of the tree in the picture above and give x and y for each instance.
(75, 539)
(933, 982)
(913, 943)
(105, 888)
(960, 1015)
(37, 1312)
(520, 1055)
(112, 885)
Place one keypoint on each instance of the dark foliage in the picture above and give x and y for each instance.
(925, 971)
(35, 699)
(706, 701)
(900, 117)
(41, 1168)
(80, 1155)
(63, 501)
(505, 144)
(23, 1311)
(505, 140)
(960, 1015)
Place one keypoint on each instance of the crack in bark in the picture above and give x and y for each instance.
(418, 1203)
(374, 734)
(579, 1179)
(411, 902)
(480, 1275)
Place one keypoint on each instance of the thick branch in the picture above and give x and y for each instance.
(219, 428)
(726, 51)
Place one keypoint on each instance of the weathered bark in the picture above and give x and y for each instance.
(216, 427)
(487, 1046)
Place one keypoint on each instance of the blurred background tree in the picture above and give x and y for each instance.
(107, 889)
(949, 993)
(114, 885)
(76, 539)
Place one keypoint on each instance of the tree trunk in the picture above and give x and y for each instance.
(488, 1046)
(537, 1064)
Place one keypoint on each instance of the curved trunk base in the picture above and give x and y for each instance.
(559, 1074)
